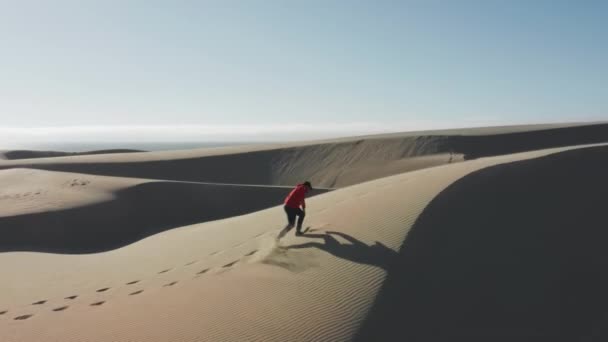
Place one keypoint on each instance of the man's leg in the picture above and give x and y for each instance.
(301, 215)
(291, 219)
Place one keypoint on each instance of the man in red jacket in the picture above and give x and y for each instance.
(293, 202)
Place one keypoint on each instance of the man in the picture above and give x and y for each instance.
(295, 205)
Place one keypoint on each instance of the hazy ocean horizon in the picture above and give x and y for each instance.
(145, 146)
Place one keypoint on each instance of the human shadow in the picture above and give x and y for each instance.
(354, 250)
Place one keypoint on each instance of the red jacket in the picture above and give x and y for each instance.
(295, 199)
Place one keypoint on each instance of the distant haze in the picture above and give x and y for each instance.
(208, 135)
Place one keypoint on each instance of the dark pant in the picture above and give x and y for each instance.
(291, 216)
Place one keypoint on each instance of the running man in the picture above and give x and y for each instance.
(295, 205)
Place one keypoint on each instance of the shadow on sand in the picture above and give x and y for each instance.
(514, 252)
(354, 250)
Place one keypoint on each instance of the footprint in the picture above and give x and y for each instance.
(71, 297)
(3, 312)
(104, 289)
(98, 303)
(79, 182)
(61, 308)
(307, 229)
(170, 284)
(230, 264)
(203, 271)
(39, 302)
(133, 282)
(190, 263)
(262, 233)
(164, 271)
(136, 293)
(21, 318)
(251, 253)
(214, 253)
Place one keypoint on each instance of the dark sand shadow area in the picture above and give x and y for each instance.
(134, 213)
(514, 252)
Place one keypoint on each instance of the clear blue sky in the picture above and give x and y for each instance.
(318, 66)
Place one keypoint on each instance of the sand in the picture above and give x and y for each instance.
(501, 248)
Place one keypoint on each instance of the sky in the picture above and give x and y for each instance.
(213, 70)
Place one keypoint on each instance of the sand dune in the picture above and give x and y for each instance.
(499, 248)
(64, 212)
(331, 163)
